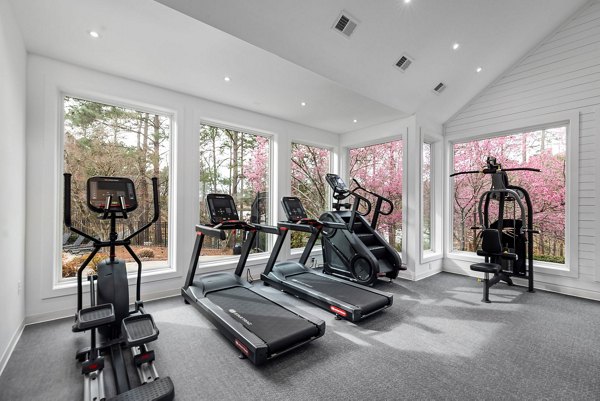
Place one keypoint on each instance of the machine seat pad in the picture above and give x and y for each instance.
(486, 267)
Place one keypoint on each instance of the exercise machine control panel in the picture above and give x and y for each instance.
(337, 184)
(119, 192)
(293, 208)
(221, 208)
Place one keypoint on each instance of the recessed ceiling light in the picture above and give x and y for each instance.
(405, 2)
(94, 34)
(479, 69)
(455, 46)
(355, 120)
(303, 104)
(227, 79)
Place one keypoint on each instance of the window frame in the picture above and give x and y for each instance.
(317, 250)
(571, 121)
(386, 139)
(63, 286)
(254, 259)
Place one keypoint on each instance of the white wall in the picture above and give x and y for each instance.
(46, 80)
(561, 76)
(12, 176)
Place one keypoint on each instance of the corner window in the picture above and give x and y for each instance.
(378, 168)
(309, 165)
(426, 219)
(109, 140)
(238, 164)
(545, 149)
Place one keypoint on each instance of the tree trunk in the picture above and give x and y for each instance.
(142, 162)
(158, 237)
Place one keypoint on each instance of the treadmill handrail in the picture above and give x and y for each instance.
(211, 231)
(266, 228)
(307, 228)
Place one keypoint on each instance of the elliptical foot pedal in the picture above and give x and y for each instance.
(139, 329)
(94, 316)
(159, 390)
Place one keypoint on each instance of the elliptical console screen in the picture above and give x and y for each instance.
(221, 208)
(99, 189)
(293, 208)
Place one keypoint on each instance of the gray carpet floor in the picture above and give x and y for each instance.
(437, 342)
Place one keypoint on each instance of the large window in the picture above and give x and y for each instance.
(378, 168)
(235, 163)
(108, 140)
(544, 149)
(426, 193)
(309, 165)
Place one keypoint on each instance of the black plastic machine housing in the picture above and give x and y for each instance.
(112, 194)
(514, 233)
(258, 326)
(109, 314)
(345, 299)
(358, 253)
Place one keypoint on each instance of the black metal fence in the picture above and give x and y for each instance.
(156, 235)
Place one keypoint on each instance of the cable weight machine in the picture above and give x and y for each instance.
(507, 243)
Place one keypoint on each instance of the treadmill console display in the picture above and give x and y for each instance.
(99, 189)
(221, 208)
(293, 208)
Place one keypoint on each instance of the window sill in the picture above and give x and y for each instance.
(429, 256)
(68, 286)
(229, 263)
(296, 252)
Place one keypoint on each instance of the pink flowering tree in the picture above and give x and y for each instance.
(378, 168)
(543, 149)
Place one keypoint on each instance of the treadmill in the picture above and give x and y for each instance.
(345, 299)
(258, 326)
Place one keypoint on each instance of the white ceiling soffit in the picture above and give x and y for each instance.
(148, 42)
(491, 34)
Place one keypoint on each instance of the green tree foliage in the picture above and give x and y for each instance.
(107, 140)
(235, 163)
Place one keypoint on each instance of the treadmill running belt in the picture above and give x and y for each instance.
(275, 325)
(367, 300)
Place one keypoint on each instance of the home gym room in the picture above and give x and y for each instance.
(353, 200)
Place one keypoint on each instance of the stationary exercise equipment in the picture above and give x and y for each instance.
(358, 253)
(257, 325)
(119, 327)
(345, 299)
(506, 243)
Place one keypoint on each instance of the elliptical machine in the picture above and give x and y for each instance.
(506, 243)
(358, 253)
(109, 312)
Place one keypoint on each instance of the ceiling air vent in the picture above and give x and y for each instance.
(404, 62)
(345, 24)
(439, 88)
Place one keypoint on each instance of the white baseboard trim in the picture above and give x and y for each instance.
(406, 275)
(561, 289)
(428, 274)
(61, 314)
(538, 285)
(11, 346)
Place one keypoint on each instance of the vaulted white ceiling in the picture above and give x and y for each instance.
(280, 53)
